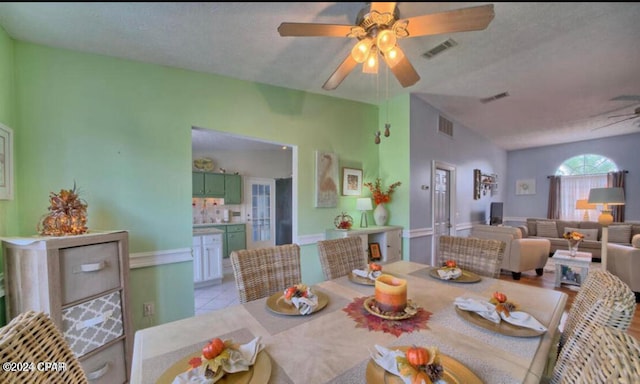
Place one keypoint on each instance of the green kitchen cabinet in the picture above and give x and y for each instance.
(232, 189)
(236, 238)
(220, 185)
(233, 239)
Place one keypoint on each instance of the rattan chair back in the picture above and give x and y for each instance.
(32, 338)
(338, 257)
(264, 271)
(610, 356)
(604, 301)
(481, 256)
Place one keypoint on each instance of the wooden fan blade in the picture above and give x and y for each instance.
(616, 122)
(311, 29)
(383, 7)
(459, 20)
(340, 73)
(403, 70)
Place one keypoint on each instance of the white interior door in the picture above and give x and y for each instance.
(260, 205)
(443, 203)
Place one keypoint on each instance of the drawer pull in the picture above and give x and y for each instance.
(95, 321)
(93, 267)
(98, 373)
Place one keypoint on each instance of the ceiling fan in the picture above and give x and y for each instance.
(626, 116)
(378, 27)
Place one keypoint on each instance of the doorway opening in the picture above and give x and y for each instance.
(443, 204)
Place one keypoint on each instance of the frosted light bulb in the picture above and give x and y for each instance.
(361, 50)
(386, 40)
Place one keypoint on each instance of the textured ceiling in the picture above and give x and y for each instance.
(566, 66)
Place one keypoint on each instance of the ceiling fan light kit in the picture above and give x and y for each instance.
(378, 28)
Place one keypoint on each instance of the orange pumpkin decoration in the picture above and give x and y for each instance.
(375, 267)
(450, 263)
(213, 349)
(417, 356)
(501, 297)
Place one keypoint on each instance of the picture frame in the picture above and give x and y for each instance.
(327, 182)
(374, 251)
(351, 182)
(526, 187)
(6, 163)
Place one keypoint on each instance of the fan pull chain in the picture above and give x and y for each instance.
(387, 125)
(377, 134)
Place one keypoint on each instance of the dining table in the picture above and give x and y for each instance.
(335, 343)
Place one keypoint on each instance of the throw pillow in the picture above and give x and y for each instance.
(589, 234)
(635, 241)
(546, 229)
(620, 234)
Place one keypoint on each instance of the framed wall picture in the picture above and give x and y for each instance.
(6, 163)
(351, 182)
(526, 187)
(374, 251)
(326, 180)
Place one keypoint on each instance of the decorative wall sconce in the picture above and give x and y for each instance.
(483, 183)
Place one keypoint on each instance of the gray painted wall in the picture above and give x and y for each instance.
(466, 151)
(538, 163)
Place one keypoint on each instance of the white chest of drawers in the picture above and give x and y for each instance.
(82, 282)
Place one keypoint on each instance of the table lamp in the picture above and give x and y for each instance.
(584, 204)
(606, 197)
(364, 204)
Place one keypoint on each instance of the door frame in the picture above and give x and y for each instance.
(451, 187)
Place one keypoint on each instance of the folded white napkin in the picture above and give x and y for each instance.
(372, 275)
(482, 308)
(523, 319)
(449, 273)
(240, 359)
(306, 305)
(386, 358)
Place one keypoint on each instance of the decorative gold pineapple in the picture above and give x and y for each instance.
(67, 214)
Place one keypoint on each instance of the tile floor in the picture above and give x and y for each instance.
(218, 296)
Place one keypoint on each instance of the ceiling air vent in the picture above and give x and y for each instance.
(494, 97)
(445, 126)
(438, 49)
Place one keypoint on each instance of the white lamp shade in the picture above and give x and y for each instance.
(364, 204)
(606, 196)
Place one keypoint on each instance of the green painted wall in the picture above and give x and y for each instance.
(394, 163)
(121, 130)
(8, 208)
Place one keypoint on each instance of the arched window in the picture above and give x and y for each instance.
(586, 165)
(580, 174)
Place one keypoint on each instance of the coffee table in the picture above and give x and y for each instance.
(581, 261)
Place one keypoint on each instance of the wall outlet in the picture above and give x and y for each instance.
(148, 309)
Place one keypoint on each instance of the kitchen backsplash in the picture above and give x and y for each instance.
(212, 210)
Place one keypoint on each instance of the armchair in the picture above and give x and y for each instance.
(519, 254)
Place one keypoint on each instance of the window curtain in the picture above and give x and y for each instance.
(576, 188)
(555, 196)
(617, 179)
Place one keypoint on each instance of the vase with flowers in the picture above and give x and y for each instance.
(381, 197)
(574, 239)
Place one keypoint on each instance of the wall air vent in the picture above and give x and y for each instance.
(494, 97)
(445, 126)
(438, 49)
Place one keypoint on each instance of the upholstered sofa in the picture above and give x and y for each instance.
(619, 233)
(520, 254)
(624, 262)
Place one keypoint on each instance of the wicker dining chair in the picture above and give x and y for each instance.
(32, 337)
(602, 301)
(609, 356)
(264, 271)
(338, 257)
(481, 256)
